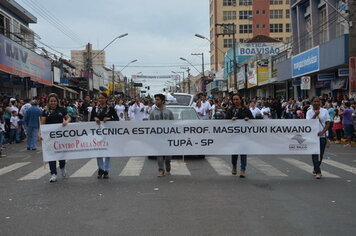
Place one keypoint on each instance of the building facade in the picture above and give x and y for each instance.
(87, 57)
(251, 17)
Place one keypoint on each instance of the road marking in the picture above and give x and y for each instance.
(37, 174)
(133, 167)
(308, 168)
(179, 168)
(12, 167)
(87, 170)
(265, 168)
(219, 165)
(341, 166)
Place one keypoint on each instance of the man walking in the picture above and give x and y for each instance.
(162, 113)
(32, 123)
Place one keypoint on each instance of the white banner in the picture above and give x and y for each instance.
(199, 137)
(305, 83)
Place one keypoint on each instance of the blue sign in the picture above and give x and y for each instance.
(344, 72)
(329, 76)
(18, 60)
(305, 62)
(64, 81)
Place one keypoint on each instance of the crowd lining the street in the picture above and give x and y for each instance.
(21, 118)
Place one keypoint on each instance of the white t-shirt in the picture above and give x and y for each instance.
(24, 108)
(14, 108)
(323, 118)
(266, 110)
(120, 109)
(14, 122)
(200, 110)
(255, 111)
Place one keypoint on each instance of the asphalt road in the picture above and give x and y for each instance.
(279, 197)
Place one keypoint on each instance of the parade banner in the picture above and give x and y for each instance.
(191, 137)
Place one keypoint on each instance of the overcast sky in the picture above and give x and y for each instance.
(160, 31)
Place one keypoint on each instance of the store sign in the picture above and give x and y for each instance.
(323, 77)
(305, 83)
(252, 49)
(305, 62)
(64, 81)
(339, 83)
(343, 72)
(323, 84)
(263, 71)
(18, 60)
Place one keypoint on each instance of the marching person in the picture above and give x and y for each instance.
(103, 112)
(238, 110)
(55, 114)
(162, 113)
(322, 115)
(32, 124)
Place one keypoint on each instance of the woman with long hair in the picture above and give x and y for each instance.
(238, 110)
(102, 113)
(54, 114)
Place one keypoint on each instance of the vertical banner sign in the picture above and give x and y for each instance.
(352, 75)
(305, 83)
(263, 71)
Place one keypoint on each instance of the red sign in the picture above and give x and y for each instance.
(352, 74)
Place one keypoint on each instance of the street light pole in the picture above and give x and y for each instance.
(90, 58)
(188, 78)
(126, 82)
(202, 61)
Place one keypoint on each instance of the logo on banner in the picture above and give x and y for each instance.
(300, 146)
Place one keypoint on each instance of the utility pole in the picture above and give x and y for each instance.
(352, 48)
(113, 80)
(230, 30)
(188, 70)
(88, 67)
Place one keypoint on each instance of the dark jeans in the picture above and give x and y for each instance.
(243, 161)
(53, 166)
(316, 160)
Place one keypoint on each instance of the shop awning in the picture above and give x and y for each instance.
(57, 86)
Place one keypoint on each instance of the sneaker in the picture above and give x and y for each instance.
(64, 172)
(242, 174)
(314, 172)
(168, 167)
(318, 176)
(234, 170)
(106, 174)
(160, 173)
(53, 178)
(100, 173)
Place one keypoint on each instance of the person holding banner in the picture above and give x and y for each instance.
(162, 113)
(54, 114)
(103, 112)
(238, 110)
(322, 115)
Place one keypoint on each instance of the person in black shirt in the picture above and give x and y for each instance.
(238, 110)
(54, 114)
(102, 112)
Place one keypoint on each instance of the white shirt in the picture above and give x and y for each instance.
(138, 111)
(266, 110)
(14, 122)
(255, 111)
(200, 110)
(24, 108)
(120, 109)
(323, 118)
(13, 108)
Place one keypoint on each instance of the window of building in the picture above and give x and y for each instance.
(4, 25)
(257, 12)
(276, 28)
(229, 29)
(288, 28)
(263, 11)
(229, 3)
(257, 26)
(263, 26)
(229, 15)
(276, 2)
(245, 29)
(245, 2)
(287, 13)
(323, 25)
(276, 14)
(287, 1)
(308, 36)
(243, 15)
(228, 43)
